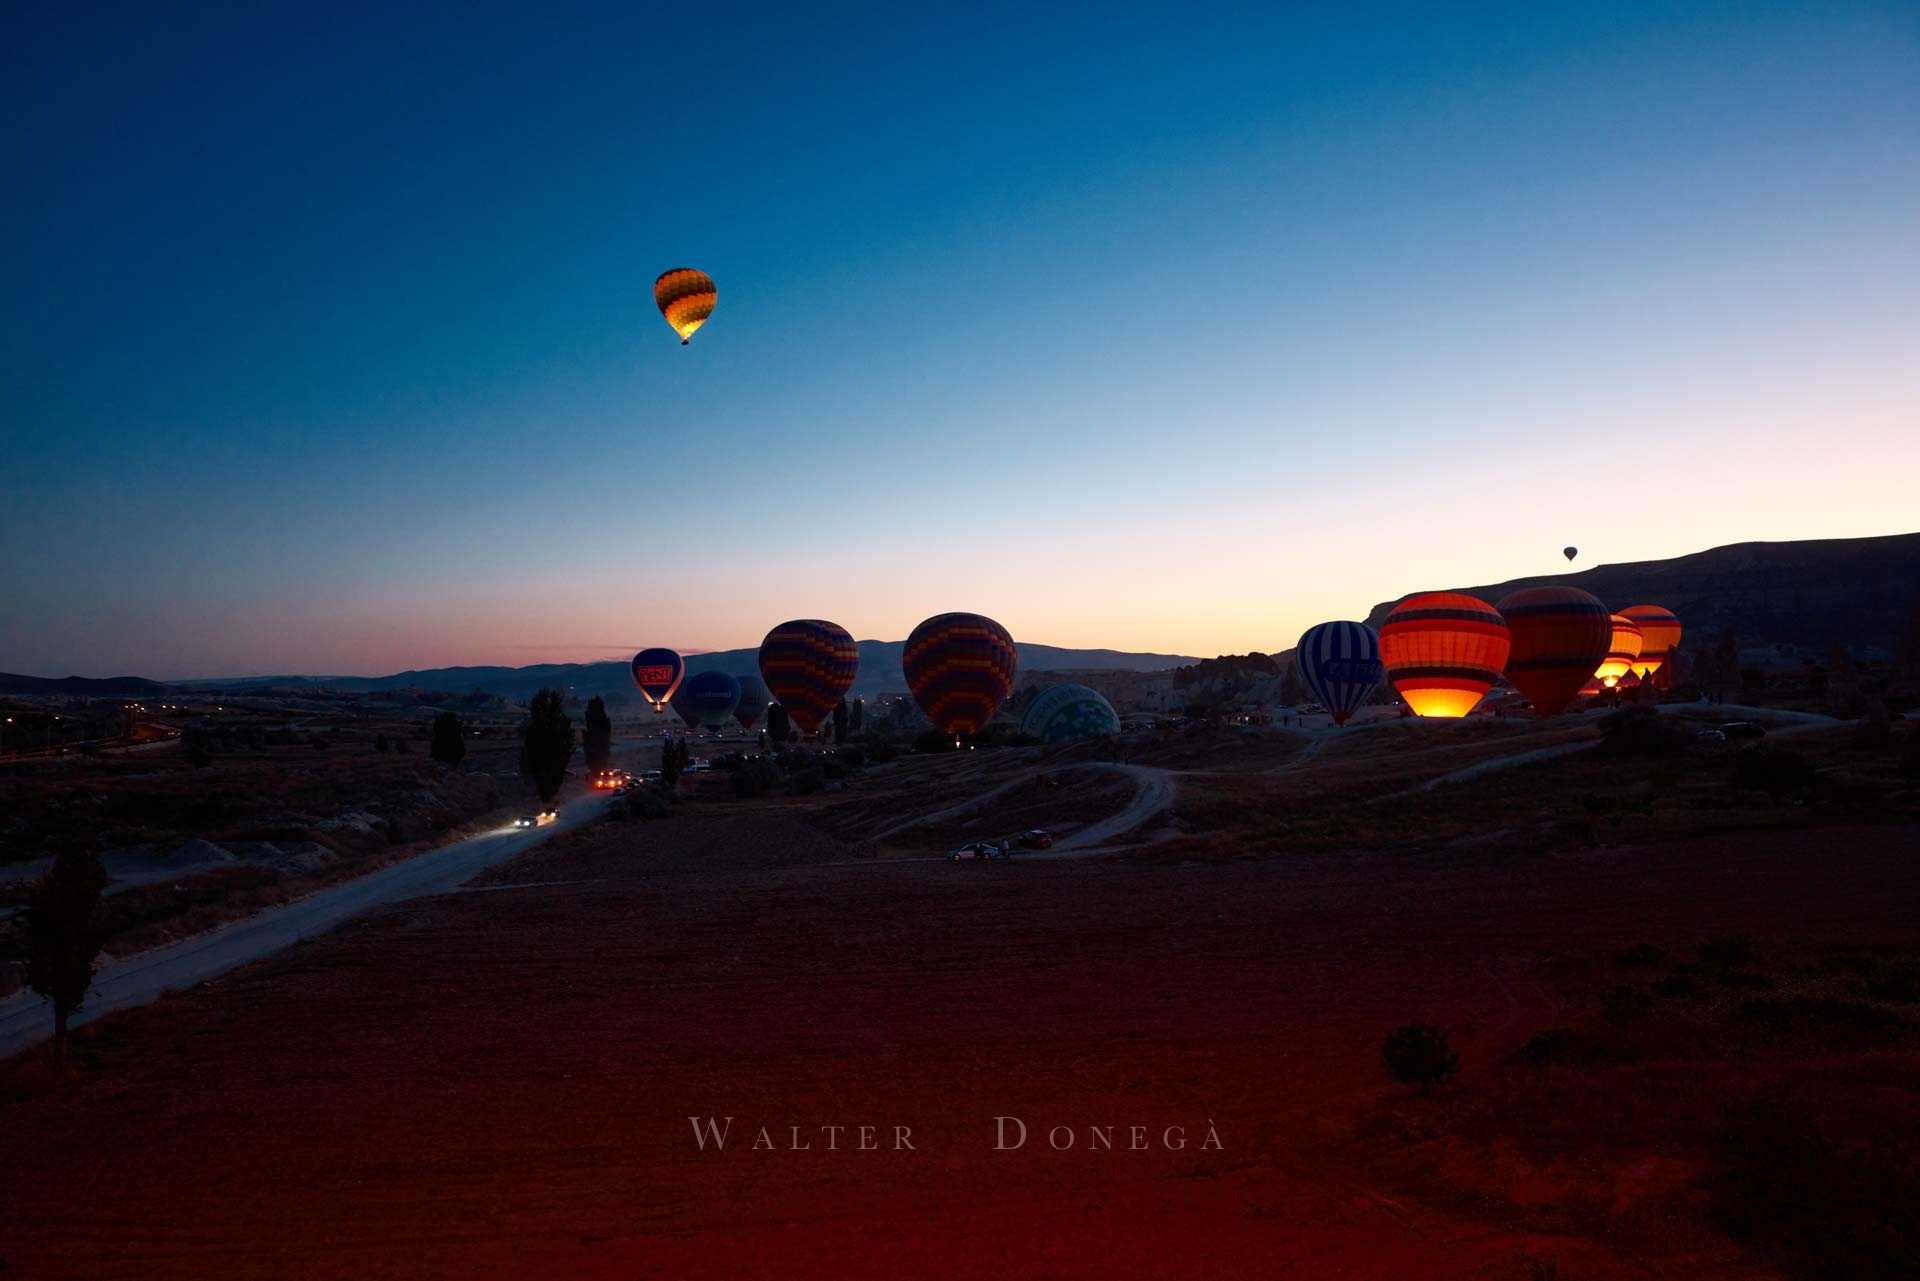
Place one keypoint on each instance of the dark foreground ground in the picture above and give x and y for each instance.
(1655, 1039)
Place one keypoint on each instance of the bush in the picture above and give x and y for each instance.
(807, 780)
(881, 753)
(1773, 769)
(648, 802)
(1419, 1054)
(1641, 955)
(934, 741)
(1875, 729)
(1641, 731)
(753, 778)
(1818, 1208)
(853, 756)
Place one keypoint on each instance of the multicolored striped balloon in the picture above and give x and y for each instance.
(808, 665)
(686, 298)
(657, 672)
(1660, 636)
(1064, 712)
(960, 668)
(1341, 664)
(1622, 651)
(706, 699)
(1443, 651)
(753, 701)
(1560, 635)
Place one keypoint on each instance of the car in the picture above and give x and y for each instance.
(980, 850)
(1742, 729)
(547, 816)
(527, 820)
(1712, 736)
(1038, 839)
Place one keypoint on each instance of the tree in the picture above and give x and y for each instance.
(778, 724)
(1293, 691)
(674, 758)
(596, 738)
(64, 935)
(857, 715)
(546, 743)
(840, 721)
(449, 745)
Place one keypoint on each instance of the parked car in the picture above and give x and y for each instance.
(1742, 729)
(527, 820)
(1038, 839)
(1712, 736)
(981, 850)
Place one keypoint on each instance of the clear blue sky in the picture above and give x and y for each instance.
(329, 343)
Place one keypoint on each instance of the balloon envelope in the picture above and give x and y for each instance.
(1341, 664)
(1622, 651)
(1560, 634)
(960, 668)
(808, 665)
(753, 701)
(707, 699)
(1660, 636)
(657, 672)
(1443, 651)
(1070, 711)
(686, 298)
(1569, 552)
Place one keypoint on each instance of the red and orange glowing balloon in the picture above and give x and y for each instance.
(686, 298)
(1443, 651)
(1660, 636)
(1560, 636)
(1622, 651)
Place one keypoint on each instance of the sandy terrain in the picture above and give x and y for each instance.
(500, 1083)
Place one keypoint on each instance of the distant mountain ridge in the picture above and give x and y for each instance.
(80, 686)
(879, 672)
(1804, 595)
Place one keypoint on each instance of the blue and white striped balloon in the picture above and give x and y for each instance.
(1341, 664)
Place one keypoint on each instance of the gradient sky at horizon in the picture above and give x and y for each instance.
(329, 344)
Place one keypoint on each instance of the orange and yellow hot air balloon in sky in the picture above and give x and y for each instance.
(1443, 651)
(686, 298)
(1622, 653)
(1660, 636)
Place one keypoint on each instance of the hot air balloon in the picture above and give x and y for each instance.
(1341, 664)
(808, 665)
(657, 672)
(1660, 636)
(1569, 552)
(1443, 651)
(959, 667)
(753, 701)
(1622, 651)
(1560, 634)
(706, 699)
(1070, 711)
(686, 298)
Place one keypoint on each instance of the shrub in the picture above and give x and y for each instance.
(395, 835)
(753, 778)
(1772, 769)
(1875, 729)
(648, 802)
(853, 755)
(1820, 1209)
(1641, 731)
(807, 780)
(881, 753)
(934, 741)
(1419, 1054)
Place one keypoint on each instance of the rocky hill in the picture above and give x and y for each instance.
(1799, 597)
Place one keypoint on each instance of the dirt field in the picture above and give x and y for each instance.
(499, 1082)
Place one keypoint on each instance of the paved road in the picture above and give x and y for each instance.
(26, 1019)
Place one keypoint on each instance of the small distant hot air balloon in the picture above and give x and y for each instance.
(1070, 711)
(753, 701)
(1443, 651)
(706, 700)
(657, 672)
(1622, 651)
(808, 665)
(1560, 634)
(686, 298)
(1660, 636)
(1341, 664)
(960, 668)
(1569, 552)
